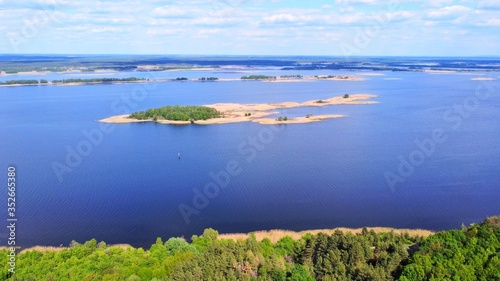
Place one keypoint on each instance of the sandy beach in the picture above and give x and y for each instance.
(297, 120)
(3, 73)
(483, 79)
(235, 112)
(440, 71)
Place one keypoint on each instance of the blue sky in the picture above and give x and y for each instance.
(252, 27)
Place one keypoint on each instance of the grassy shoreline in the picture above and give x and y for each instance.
(273, 234)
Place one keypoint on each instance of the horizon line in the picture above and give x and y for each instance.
(254, 55)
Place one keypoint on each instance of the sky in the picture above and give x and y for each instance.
(251, 27)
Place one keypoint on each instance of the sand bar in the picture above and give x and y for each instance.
(235, 112)
(483, 79)
(297, 120)
(440, 71)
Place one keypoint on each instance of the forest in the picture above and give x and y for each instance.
(470, 253)
(177, 113)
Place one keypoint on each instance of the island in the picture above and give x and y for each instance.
(223, 113)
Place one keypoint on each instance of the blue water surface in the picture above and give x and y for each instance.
(128, 185)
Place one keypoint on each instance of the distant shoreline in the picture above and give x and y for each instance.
(235, 113)
(163, 80)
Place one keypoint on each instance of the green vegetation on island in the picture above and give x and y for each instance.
(98, 80)
(471, 253)
(208, 79)
(291, 76)
(177, 113)
(73, 80)
(258, 77)
(20, 82)
(331, 77)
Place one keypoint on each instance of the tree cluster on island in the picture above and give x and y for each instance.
(20, 82)
(208, 79)
(97, 80)
(330, 77)
(258, 77)
(472, 253)
(72, 80)
(282, 118)
(291, 76)
(177, 113)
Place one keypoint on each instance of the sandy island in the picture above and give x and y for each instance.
(483, 79)
(298, 120)
(312, 79)
(432, 71)
(235, 112)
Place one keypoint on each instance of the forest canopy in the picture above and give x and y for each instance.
(472, 253)
(177, 113)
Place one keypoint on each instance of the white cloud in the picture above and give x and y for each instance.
(171, 11)
(489, 4)
(163, 31)
(254, 24)
(284, 18)
(106, 30)
(447, 13)
(490, 22)
(439, 3)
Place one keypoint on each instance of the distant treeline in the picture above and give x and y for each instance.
(20, 82)
(67, 81)
(208, 79)
(258, 77)
(472, 253)
(177, 113)
(97, 80)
